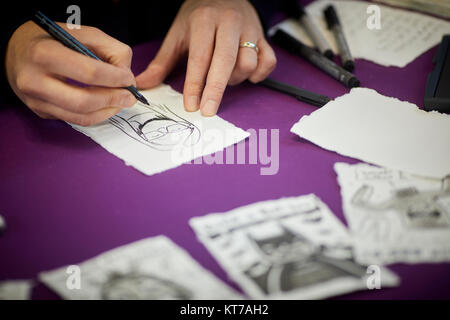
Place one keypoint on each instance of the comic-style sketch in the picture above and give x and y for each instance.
(418, 209)
(290, 262)
(157, 126)
(163, 135)
(395, 217)
(137, 286)
(291, 248)
(149, 269)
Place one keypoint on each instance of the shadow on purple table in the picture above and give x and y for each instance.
(46, 131)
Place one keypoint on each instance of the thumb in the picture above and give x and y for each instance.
(165, 60)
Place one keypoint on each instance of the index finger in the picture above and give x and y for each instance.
(222, 65)
(60, 60)
(106, 47)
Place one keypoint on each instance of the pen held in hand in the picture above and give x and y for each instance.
(66, 39)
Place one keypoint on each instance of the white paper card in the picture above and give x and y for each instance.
(15, 289)
(395, 217)
(383, 131)
(149, 269)
(402, 36)
(163, 135)
(291, 248)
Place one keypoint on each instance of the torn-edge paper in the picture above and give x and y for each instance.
(16, 289)
(385, 131)
(402, 35)
(163, 135)
(395, 217)
(149, 269)
(290, 248)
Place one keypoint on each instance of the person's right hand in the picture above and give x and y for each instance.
(38, 66)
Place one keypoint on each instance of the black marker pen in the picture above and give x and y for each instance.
(2, 225)
(295, 46)
(335, 26)
(295, 10)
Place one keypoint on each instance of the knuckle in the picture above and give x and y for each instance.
(118, 99)
(95, 30)
(83, 120)
(217, 87)
(194, 87)
(38, 52)
(228, 58)
(79, 104)
(90, 73)
(232, 14)
(269, 62)
(127, 51)
(246, 66)
(24, 83)
(203, 13)
(157, 70)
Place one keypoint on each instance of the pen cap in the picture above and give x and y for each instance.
(293, 9)
(331, 16)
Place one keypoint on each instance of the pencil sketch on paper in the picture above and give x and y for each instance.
(157, 127)
(289, 262)
(417, 209)
(140, 286)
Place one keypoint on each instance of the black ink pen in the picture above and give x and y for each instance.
(296, 11)
(335, 25)
(2, 225)
(66, 39)
(295, 46)
(312, 98)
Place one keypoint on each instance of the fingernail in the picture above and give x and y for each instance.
(192, 103)
(210, 108)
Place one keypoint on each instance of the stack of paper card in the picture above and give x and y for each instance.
(291, 248)
(150, 269)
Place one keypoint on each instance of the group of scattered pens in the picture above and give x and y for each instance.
(322, 59)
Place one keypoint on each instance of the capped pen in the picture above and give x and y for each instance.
(66, 39)
(2, 225)
(309, 97)
(335, 25)
(312, 29)
(295, 46)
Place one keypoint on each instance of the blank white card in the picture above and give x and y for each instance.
(381, 130)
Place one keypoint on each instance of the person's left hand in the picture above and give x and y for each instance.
(211, 31)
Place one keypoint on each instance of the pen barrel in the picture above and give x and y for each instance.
(331, 17)
(314, 32)
(296, 47)
(344, 49)
(61, 35)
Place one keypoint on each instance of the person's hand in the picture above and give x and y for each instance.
(211, 31)
(38, 66)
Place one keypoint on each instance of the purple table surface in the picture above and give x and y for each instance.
(66, 199)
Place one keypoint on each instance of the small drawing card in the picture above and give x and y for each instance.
(395, 216)
(163, 135)
(290, 248)
(149, 269)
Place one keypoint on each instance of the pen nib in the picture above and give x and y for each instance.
(143, 100)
